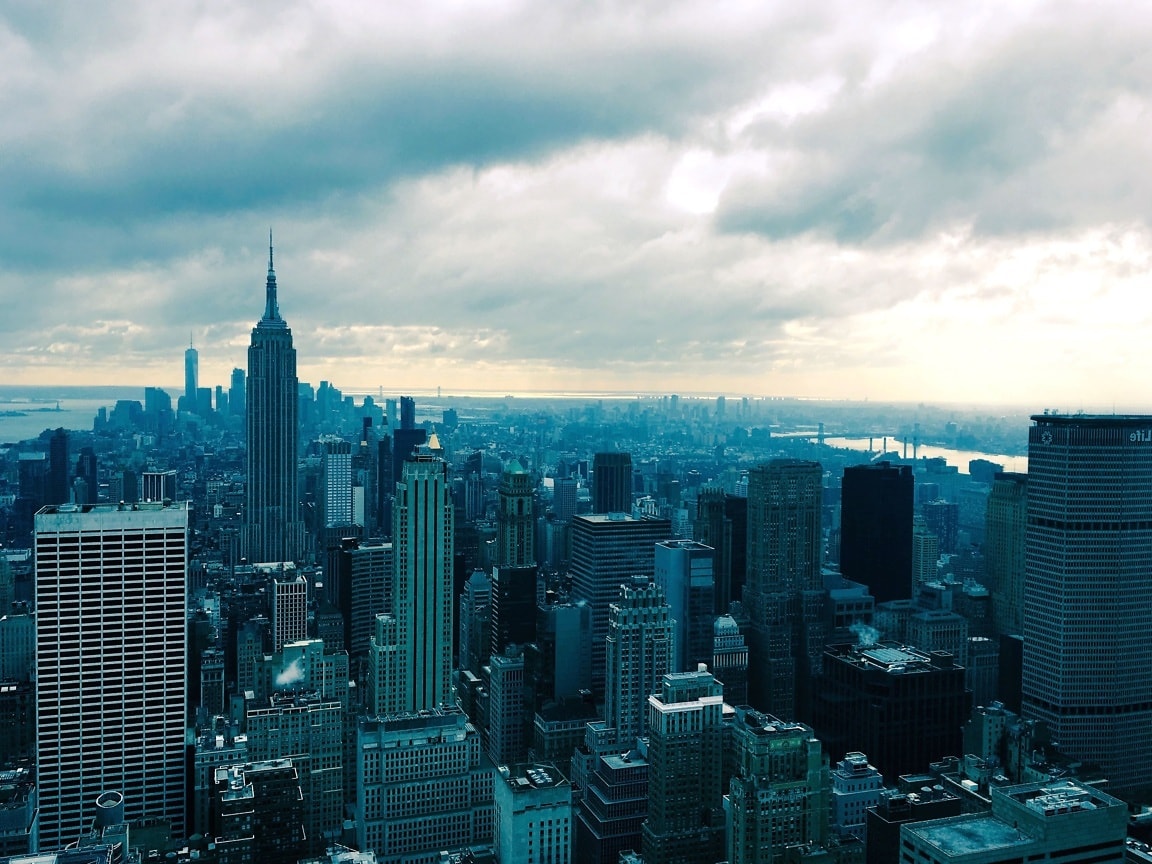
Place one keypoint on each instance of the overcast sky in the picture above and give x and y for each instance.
(939, 202)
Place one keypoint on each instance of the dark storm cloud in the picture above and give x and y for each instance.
(109, 133)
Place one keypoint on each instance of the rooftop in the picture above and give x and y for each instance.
(961, 835)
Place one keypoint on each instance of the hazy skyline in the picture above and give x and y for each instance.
(857, 200)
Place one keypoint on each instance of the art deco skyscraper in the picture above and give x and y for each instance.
(111, 663)
(514, 520)
(423, 541)
(1087, 579)
(273, 530)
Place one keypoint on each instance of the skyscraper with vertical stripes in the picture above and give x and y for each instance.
(111, 646)
(1087, 581)
(273, 530)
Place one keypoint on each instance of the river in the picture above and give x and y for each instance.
(958, 458)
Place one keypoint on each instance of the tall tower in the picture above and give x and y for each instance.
(515, 525)
(1087, 579)
(191, 377)
(423, 549)
(876, 529)
(59, 488)
(607, 551)
(684, 573)
(640, 647)
(111, 646)
(612, 483)
(685, 756)
(273, 530)
(713, 528)
(784, 592)
(1005, 529)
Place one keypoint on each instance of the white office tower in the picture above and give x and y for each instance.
(289, 606)
(111, 651)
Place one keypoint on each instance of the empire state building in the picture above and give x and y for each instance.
(273, 530)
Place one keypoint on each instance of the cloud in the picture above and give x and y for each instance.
(739, 196)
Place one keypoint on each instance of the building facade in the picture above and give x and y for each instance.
(1088, 576)
(607, 551)
(111, 648)
(876, 529)
(272, 527)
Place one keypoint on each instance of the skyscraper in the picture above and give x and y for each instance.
(684, 572)
(423, 546)
(607, 551)
(784, 593)
(191, 378)
(876, 529)
(685, 754)
(273, 530)
(1005, 530)
(237, 404)
(780, 794)
(640, 645)
(612, 483)
(59, 488)
(1088, 577)
(514, 520)
(111, 663)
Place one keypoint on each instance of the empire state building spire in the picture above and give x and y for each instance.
(271, 307)
(272, 530)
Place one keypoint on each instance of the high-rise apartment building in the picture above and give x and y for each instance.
(612, 483)
(784, 594)
(607, 551)
(363, 585)
(925, 552)
(111, 646)
(876, 529)
(308, 728)
(272, 530)
(685, 758)
(1088, 577)
(507, 733)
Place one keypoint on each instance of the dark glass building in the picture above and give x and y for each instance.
(612, 483)
(876, 529)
